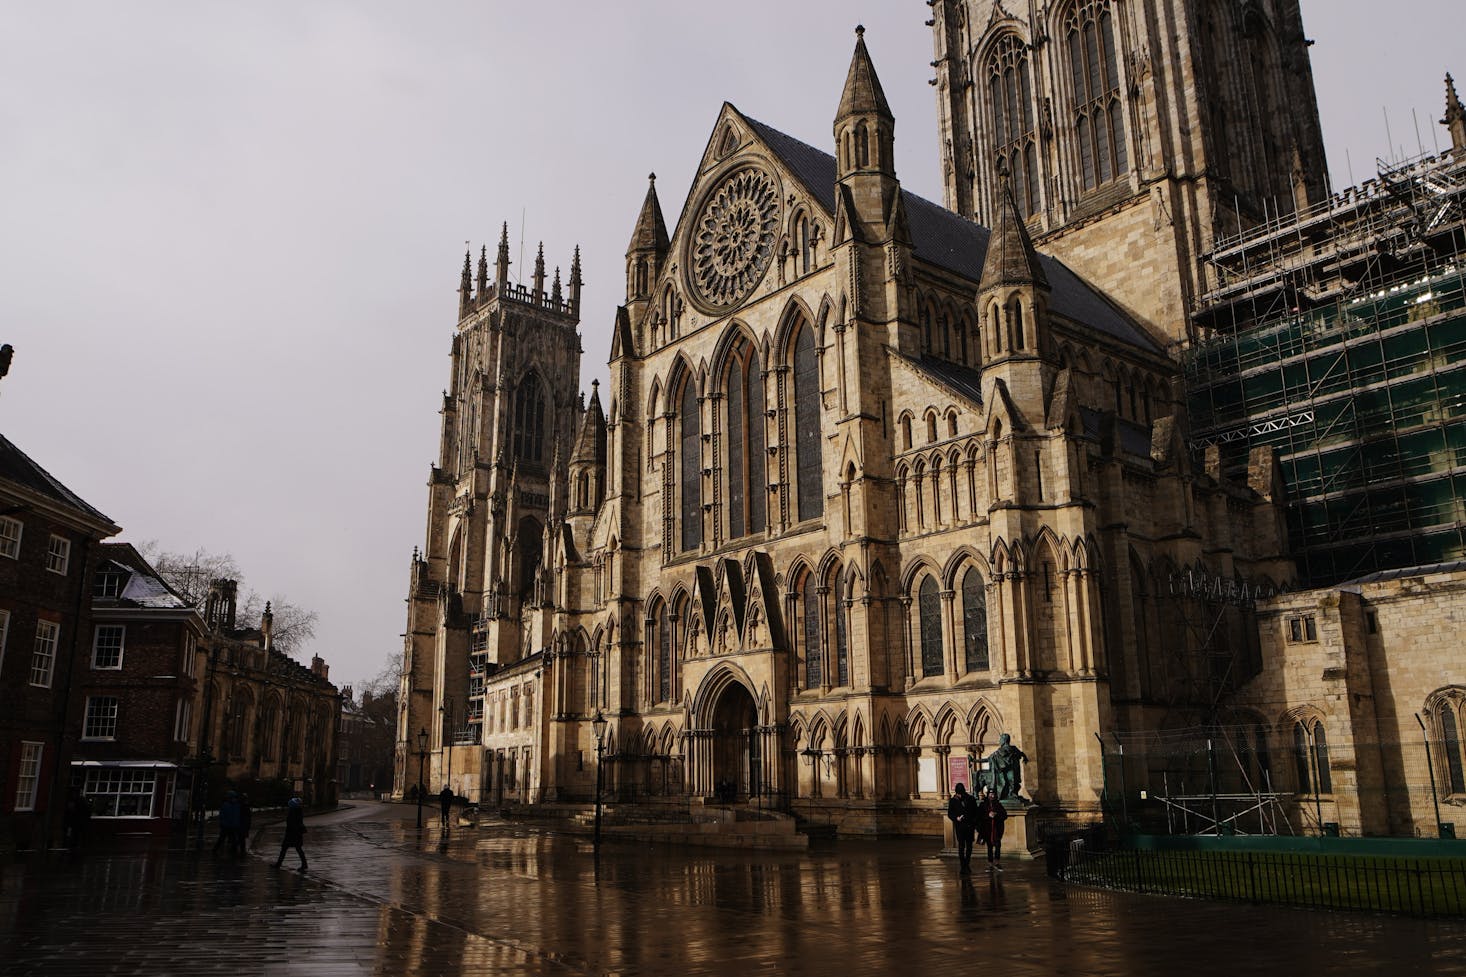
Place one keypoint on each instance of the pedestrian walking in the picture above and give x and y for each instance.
(246, 820)
(963, 813)
(294, 832)
(445, 801)
(228, 824)
(992, 814)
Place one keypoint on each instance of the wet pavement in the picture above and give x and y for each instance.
(381, 898)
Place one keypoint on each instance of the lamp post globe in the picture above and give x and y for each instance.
(598, 729)
(422, 756)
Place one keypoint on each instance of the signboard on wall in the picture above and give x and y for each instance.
(957, 772)
(926, 774)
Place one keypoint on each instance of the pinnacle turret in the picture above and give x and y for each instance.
(1455, 119)
(651, 230)
(575, 281)
(465, 284)
(501, 265)
(862, 94)
(539, 272)
(483, 270)
(1011, 258)
(555, 288)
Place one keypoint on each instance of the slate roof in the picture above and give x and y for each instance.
(962, 380)
(956, 243)
(1401, 573)
(18, 467)
(144, 587)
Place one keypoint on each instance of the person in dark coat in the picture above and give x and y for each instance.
(228, 824)
(246, 819)
(992, 815)
(963, 813)
(445, 801)
(294, 832)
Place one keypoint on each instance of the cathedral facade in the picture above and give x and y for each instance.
(873, 483)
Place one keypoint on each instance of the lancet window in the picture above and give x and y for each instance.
(1094, 65)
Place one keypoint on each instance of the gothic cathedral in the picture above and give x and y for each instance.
(875, 480)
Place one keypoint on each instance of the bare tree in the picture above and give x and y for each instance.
(191, 574)
(293, 625)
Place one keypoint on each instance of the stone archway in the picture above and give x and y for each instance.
(736, 756)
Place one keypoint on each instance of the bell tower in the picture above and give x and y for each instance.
(1137, 133)
(479, 593)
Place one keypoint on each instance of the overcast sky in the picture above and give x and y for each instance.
(232, 232)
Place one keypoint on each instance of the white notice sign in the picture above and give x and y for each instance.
(926, 774)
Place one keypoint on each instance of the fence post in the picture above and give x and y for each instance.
(1252, 876)
(1139, 878)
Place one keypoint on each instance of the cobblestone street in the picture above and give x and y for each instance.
(504, 899)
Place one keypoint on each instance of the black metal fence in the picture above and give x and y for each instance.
(1410, 886)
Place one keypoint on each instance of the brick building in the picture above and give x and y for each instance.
(136, 696)
(49, 544)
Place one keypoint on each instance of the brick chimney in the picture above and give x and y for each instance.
(319, 667)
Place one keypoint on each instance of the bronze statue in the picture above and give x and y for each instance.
(1006, 763)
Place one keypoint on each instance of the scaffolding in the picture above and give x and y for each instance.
(1337, 336)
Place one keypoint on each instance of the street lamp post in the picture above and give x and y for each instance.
(422, 756)
(598, 728)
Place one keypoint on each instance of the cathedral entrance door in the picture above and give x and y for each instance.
(735, 745)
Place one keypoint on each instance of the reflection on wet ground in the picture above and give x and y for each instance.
(502, 899)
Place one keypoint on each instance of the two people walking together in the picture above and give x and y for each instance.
(975, 819)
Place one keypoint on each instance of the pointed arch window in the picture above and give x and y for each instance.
(691, 468)
(1311, 758)
(805, 244)
(1094, 66)
(842, 643)
(810, 598)
(929, 609)
(808, 441)
(1451, 747)
(1015, 146)
(747, 496)
(529, 421)
(664, 653)
(974, 621)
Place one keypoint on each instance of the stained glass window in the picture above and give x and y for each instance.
(1094, 66)
(842, 643)
(975, 621)
(1010, 89)
(807, 438)
(691, 468)
(528, 436)
(747, 498)
(810, 598)
(1452, 737)
(929, 606)
(664, 655)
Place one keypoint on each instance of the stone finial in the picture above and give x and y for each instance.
(539, 271)
(483, 269)
(555, 287)
(501, 269)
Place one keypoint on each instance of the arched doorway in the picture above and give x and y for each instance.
(735, 744)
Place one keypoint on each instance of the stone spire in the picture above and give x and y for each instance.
(1455, 119)
(555, 288)
(590, 446)
(483, 270)
(1011, 258)
(647, 252)
(539, 273)
(501, 265)
(863, 94)
(575, 282)
(465, 285)
(651, 230)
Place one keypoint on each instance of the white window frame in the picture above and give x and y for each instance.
(28, 775)
(10, 541)
(108, 790)
(109, 583)
(58, 558)
(106, 728)
(182, 720)
(43, 656)
(121, 630)
(190, 653)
